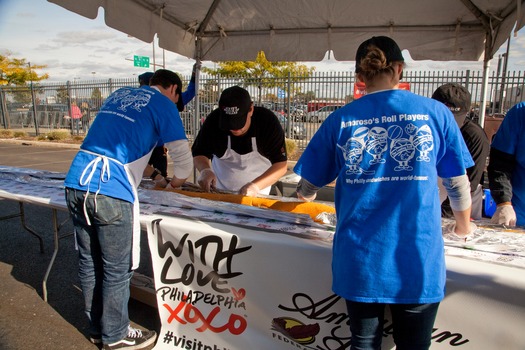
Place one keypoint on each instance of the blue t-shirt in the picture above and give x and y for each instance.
(386, 150)
(510, 139)
(128, 126)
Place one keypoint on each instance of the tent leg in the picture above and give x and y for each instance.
(196, 119)
(484, 88)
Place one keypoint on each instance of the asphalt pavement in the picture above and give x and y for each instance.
(26, 320)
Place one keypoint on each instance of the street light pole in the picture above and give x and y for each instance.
(33, 99)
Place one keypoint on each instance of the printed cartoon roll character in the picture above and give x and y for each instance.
(377, 144)
(402, 149)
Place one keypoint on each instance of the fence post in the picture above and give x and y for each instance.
(68, 87)
(288, 109)
(35, 119)
(3, 108)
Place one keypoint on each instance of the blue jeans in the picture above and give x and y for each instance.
(412, 325)
(104, 260)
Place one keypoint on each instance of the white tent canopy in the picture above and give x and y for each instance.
(304, 30)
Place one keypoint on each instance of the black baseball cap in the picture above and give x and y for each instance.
(166, 78)
(144, 78)
(454, 96)
(387, 45)
(234, 104)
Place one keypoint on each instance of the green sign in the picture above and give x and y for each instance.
(141, 61)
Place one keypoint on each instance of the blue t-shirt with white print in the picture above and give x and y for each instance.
(128, 126)
(510, 139)
(386, 150)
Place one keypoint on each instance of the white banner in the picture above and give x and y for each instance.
(235, 282)
(222, 286)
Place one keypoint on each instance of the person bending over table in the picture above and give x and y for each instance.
(507, 169)
(158, 162)
(101, 195)
(386, 150)
(458, 99)
(240, 148)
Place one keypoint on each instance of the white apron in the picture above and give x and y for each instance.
(234, 170)
(134, 178)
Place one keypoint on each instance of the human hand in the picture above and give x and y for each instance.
(250, 189)
(207, 179)
(161, 182)
(504, 215)
(307, 198)
(452, 233)
(169, 186)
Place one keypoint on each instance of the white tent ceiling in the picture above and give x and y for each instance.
(304, 30)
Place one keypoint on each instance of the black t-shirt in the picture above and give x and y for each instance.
(265, 127)
(479, 147)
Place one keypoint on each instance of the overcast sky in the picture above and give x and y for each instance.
(74, 47)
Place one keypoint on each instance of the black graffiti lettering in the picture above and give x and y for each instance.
(316, 311)
(214, 259)
(454, 339)
(168, 246)
(170, 293)
(220, 255)
(214, 277)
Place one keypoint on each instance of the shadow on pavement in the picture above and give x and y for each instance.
(26, 321)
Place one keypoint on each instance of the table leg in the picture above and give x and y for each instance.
(21, 215)
(56, 239)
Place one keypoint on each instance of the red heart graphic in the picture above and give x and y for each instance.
(239, 294)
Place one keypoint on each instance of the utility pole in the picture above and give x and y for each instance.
(33, 99)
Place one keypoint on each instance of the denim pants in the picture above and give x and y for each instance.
(104, 260)
(412, 325)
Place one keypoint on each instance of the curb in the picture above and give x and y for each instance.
(40, 143)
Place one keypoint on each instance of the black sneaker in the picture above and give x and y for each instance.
(136, 339)
(95, 338)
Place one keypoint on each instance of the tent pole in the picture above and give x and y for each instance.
(198, 56)
(484, 88)
(196, 120)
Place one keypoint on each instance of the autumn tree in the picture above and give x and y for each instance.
(208, 91)
(264, 73)
(96, 94)
(17, 71)
(62, 94)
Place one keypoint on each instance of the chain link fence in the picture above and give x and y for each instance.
(300, 103)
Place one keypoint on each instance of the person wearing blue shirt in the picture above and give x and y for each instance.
(386, 150)
(158, 162)
(101, 195)
(506, 169)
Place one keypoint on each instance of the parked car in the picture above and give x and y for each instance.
(298, 114)
(298, 131)
(322, 113)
